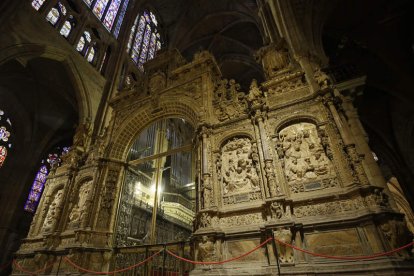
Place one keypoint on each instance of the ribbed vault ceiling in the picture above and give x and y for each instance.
(229, 29)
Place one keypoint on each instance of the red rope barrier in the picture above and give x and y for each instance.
(344, 257)
(110, 272)
(219, 262)
(30, 272)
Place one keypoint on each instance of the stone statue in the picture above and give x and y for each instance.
(207, 191)
(53, 212)
(206, 249)
(322, 79)
(79, 210)
(285, 253)
(276, 210)
(255, 96)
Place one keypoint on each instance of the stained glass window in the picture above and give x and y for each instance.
(99, 8)
(52, 161)
(91, 55)
(3, 155)
(66, 28)
(144, 40)
(120, 18)
(37, 189)
(110, 12)
(88, 2)
(81, 44)
(62, 8)
(53, 16)
(36, 4)
(5, 136)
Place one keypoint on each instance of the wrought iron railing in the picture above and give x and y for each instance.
(160, 264)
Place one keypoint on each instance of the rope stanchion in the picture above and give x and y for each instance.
(219, 262)
(18, 267)
(356, 258)
(110, 272)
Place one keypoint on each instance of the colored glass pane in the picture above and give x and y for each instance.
(36, 190)
(153, 19)
(36, 4)
(147, 17)
(3, 155)
(131, 35)
(146, 41)
(66, 28)
(53, 16)
(62, 8)
(120, 18)
(145, 44)
(91, 54)
(88, 2)
(87, 36)
(4, 134)
(151, 49)
(99, 8)
(81, 44)
(111, 14)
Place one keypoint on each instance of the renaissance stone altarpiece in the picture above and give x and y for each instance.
(276, 160)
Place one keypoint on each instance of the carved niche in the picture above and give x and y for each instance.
(284, 234)
(79, 209)
(53, 212)
(229, 103)
(304, 158)
(238, 172)
(207, 249)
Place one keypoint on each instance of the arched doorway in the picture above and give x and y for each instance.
(157, 202)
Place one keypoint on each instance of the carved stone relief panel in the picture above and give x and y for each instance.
(304, 158)
(107, 195)
(238, 172)
(81, 205)
(229, 103)
(53, 212)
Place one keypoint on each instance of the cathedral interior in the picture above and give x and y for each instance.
(187, 133)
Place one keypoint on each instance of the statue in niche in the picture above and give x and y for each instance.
(276, 210)
(285, 253)
(239, 172)
(206, 249)
(79, 210)
(81, 136)
(274, 57)
(228, 101)
(255, 96)
(205, 220)
(304, 156)
(157, 82)
(53, 212)
(322, 79)
(207, 191)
